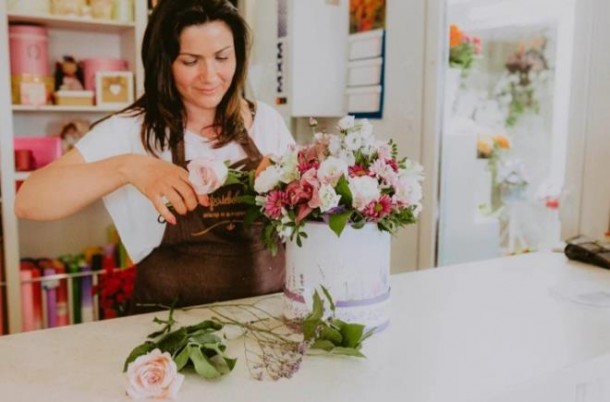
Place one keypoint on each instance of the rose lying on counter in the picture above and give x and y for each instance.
(153, 375)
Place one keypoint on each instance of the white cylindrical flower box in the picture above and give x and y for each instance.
(354, 267)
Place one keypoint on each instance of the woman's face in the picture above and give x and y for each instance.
(205, 66)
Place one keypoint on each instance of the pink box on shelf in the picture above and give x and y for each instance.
(29, 50)
(44, 149)
(96, 64)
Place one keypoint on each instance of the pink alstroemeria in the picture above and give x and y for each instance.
(378, 209)
(274, 206)
(308, 159)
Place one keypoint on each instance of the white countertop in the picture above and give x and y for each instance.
(457, 333)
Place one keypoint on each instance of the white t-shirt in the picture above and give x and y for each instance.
(133, 214)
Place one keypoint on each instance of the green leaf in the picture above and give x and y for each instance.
(310, 323)
(206, 324)
(182, 358)
(337, 222)
(245, 199)
(222, 363)
(203, 338)
(330, 334)
(232, 178)
(138, 351)
(329, 298)
(202, 364)
(251, 215)
(352, 335)
(323, 345)
(337, 323)
(343, 190)
(157, 333)
(346, 352)
(173, 341)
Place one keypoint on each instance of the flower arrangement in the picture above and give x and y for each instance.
(525, 67)
(463, 48)
(273, 350)
(114, 291)
(345, 178)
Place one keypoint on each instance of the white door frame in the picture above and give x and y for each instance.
(435, 39)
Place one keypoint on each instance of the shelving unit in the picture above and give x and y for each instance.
(67, 35)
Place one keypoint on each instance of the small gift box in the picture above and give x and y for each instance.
(74, 98)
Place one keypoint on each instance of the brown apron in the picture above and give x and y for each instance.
(209, 255)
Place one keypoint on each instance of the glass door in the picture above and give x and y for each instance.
(505, 127)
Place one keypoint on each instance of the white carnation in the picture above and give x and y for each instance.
(408, 190)
(267, 179)
(364, 190)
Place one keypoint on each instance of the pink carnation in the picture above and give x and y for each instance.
(379, 208)
(274, 206)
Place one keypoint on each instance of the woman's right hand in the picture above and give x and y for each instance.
(162, 183)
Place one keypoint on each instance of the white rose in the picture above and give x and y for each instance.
(346, 123)
(267, 179)
(153, 375)
(328, 197)
(206, 174)
(331, 170)
(364, 190)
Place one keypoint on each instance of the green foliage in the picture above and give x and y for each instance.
(196, 346)
(332, 335)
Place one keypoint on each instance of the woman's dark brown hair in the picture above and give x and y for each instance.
(161, 105)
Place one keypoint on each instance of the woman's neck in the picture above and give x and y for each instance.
(201, 122)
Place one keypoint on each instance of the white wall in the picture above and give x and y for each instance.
(404, 80)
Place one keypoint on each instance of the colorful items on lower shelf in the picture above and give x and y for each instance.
(71, 289)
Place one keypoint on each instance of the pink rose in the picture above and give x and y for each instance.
(153, 375)
(207, 175)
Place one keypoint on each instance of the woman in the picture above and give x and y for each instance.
(195, 57)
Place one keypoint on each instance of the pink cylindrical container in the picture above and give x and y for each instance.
(29, 50)
(93, 65)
